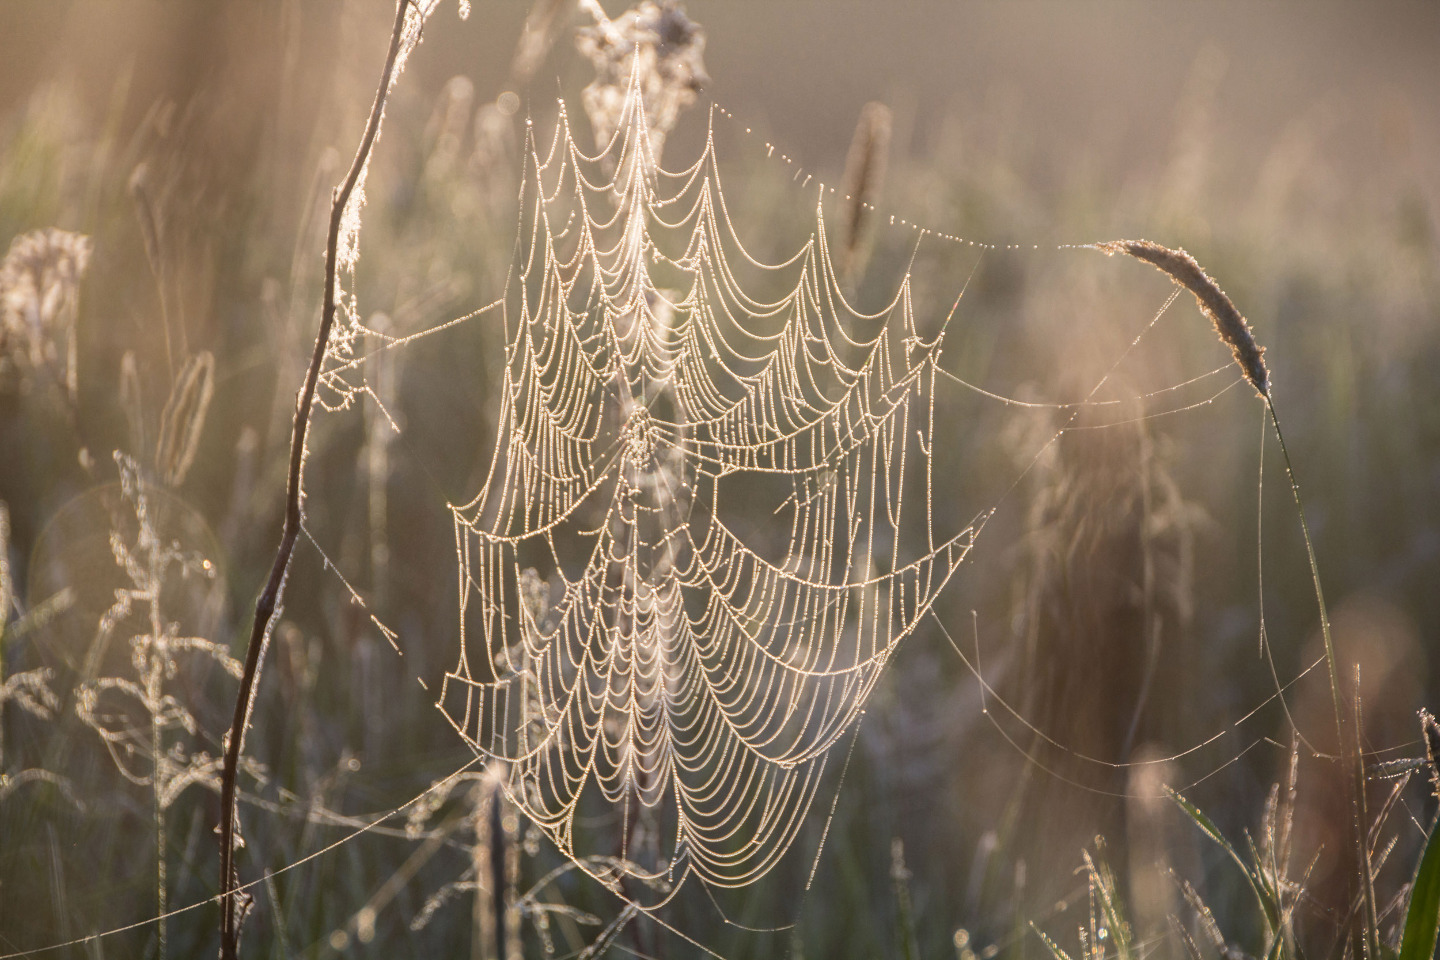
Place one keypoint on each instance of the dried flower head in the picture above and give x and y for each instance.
(39, 293)
(660, 49)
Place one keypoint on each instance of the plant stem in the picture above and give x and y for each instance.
(1349, 746)
(269, 601)
(5, 602)
(155, 704)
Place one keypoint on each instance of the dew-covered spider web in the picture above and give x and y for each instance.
(720, 494)
(631, 641)
(715, 505)
(722, 489)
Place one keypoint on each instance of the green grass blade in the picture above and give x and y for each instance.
(1268, 887)
(1277, 946)
(1207, 826)
(1422, 919)
(1104, 885)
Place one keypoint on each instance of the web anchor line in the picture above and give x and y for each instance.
(772, 152)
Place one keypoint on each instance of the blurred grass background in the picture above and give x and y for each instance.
(1295, 150)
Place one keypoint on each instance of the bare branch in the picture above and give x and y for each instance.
(233, 910)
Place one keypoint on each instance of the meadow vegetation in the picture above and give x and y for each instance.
(1082, 754)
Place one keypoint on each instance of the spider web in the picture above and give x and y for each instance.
(634, 648)
(657, 678)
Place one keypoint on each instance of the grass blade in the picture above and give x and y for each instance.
(1055, 950)
(1213, 832)
(1422, 919)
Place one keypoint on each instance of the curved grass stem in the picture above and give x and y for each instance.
(1234, 330)
(1349, 741)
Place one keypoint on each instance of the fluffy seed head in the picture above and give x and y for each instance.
(1229, 323)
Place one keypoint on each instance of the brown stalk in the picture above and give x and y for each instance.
(231, 912)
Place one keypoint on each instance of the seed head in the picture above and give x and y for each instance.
(1229, 323)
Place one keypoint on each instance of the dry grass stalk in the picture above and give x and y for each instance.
(7, 587)
(147, 213)
(1235, 331)
(1229, 322)
(184, 417)
(131, 399)
(1431, 730)
(542, 26)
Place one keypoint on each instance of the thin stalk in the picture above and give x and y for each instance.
(1349, 745)
(157, 786)
(1235, 331)
(269, 600)
(5, 600)
(154, 702)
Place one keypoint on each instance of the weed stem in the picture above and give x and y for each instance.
(232, 912)
(1350, 747)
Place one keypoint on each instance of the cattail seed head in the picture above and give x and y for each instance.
(864, 178)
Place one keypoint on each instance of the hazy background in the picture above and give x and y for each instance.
(1293, 148)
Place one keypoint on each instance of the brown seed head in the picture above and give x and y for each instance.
(864, 179)
(1228, 321)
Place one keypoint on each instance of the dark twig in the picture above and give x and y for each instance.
(231, 911)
